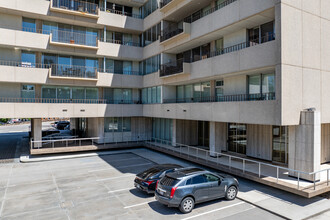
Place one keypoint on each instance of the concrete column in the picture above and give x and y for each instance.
(305, 144)
(174, 132)
(36, 131)
(95, 128)
(212, 139)
(105, 34)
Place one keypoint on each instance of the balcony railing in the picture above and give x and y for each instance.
(59, 70)
(226, 98)
(169, 34)
(164, 2)
(74, 5)
(113, 11)
(122, 72)
(237, 47)
(67, 101)
(24, 64)
(127, 43)
(200, 15)
(171, 68)
(70, 37)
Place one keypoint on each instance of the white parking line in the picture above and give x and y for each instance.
(117, 177)
(214, 210)
(113, 168)
(131, 206)
(119, 190)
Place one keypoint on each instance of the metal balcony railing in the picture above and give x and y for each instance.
(169, 34)
(122, 72)
(71, 37)
(225, 98)
(171, 68)
(237, 47)
(24, 64)
(127, 43)
(50, 101)
(113, 11)
(60, 70)
(200, 15)
(74, 5)
(68, 101)
(164, 2)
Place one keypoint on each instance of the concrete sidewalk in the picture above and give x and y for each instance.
(279, 202)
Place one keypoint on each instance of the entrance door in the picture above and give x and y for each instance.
(82, 127)
(237, 138)
(280, 144)
(203, 133)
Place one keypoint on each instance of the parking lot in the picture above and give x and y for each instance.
(99, 187)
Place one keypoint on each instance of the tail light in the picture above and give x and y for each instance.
(149, 182)
(157, 184)
(173, 191)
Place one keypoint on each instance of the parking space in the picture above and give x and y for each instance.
(99, 187)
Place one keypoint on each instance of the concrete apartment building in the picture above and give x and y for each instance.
(245, 77)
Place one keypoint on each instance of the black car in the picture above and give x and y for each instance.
(62, 124)
(146, 180)
(188, 186)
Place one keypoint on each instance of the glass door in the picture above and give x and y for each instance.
(280, 144)
(237, 138)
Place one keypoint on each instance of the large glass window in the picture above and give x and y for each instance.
(28, 59)
(75, 93)
(219, 89)
(262, 86)
(117, 124)
(116, 96)
(28, 91)
(162, 128)
(237, 138)
(280, 144)
(29, 25)
(151, 95)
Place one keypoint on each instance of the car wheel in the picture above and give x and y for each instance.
(231, 193)
(187, 205)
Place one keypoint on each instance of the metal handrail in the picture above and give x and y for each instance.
(50, 101)
(225, 98)
(113, 11)
(125, 43)
(75, 5)
(192, 19)
(244, 160)
(71, 37)
(122, 72)
(169, 34)
(74, 71)
(164, 3)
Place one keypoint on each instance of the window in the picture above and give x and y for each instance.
(211, 178)
(262, 86)
(28, 59)
(162, 128)
(196, 180)
(28, 91)
(280, 144)
(75, 93)
(219, 89)
(237, 138)
(117, 124)
(152, 95)
(29, 25)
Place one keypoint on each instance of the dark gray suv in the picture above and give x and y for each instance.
(188, 186)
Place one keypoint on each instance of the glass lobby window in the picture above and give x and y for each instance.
(219, 89)
(280, 144)
(117, 124)
(237, 138)
(28, 59)
(28, 91)
(29, 25)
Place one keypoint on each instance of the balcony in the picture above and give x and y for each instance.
(169, 36)
(75, 7)
(73, 72)
(196, 17)
(225, 98)
(72, 39)
(176, 68)
(113, 11)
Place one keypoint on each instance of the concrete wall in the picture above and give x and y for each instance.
(10, 90)
(10, 54)
(259, 141)
(10, 21)
(221, 136)
(235, 38)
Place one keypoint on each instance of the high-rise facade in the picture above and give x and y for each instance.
(247, 77)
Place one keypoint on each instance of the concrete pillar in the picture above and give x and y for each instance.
(95, 128)
(174, 132)
(36, 131)
(305, 144)
(212, 139)
(105, 34)
(212, 94)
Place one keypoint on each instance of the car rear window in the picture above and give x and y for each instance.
(167, 181)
